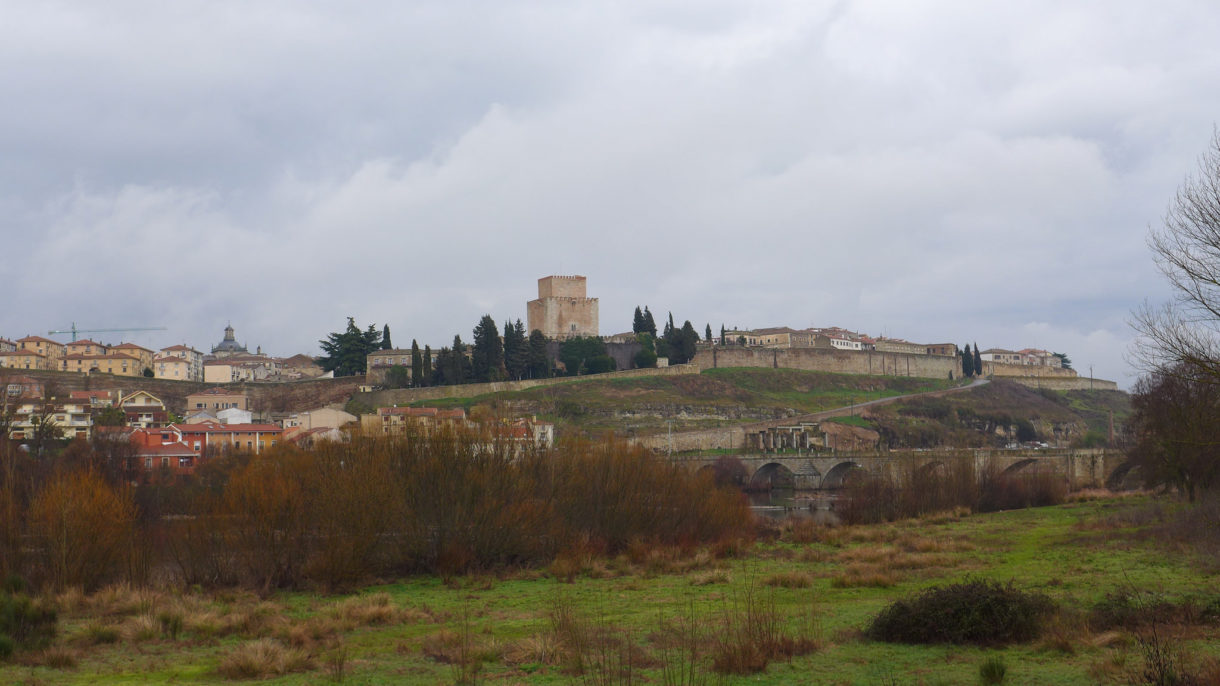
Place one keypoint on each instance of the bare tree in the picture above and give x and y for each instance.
(1185, 332)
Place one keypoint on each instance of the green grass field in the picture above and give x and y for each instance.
(633, 612)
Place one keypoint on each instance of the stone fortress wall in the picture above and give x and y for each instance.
(562, 309)
(838, 361)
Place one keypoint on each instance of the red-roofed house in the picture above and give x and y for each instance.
(27, 359)
(393, 420)
(210, 436)
(52, 350)
(194, 360)
(119, 364)
(144, 355)
(85, 347)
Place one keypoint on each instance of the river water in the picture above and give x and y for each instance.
(784, 503)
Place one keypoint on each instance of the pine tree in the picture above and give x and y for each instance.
(978, 360)
(385, 338)
(637, 322)
(707, 334)
(649, 325)
(417, 364)
(347, 353)
(686, 341)
(516, 350)
(967, 362)
(487, 356)
(539, 364)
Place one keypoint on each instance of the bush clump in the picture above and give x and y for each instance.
(974, 612)
(24, 623)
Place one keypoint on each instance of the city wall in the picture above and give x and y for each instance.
(289, 396)
(1006, 370)
(404, 396)
(1076, 383)
(838, 361)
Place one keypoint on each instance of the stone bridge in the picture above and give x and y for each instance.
(1092, 468)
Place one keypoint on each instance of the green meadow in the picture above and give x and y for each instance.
(681, 616)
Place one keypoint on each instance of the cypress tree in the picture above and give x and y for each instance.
(707, 334)
(385, 338)
(967, 362)
(722, 334)
(649, 324)
(978, 360)
(417, 364)
(637, 322)
(426, 378)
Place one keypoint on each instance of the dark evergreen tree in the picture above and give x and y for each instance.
(722, 334)
(647, 356)
(539, 366)
(460, 368)
(685, 340)
(385, 338)
(425, 379)
(649, 325)
(346, 354)
(637, 322)
(707, 334)
(516, 350)
(967, 362)
(978, 360)
(585, 355)
(487, 355)
(417, 364)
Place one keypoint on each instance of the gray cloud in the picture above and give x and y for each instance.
(944, 172)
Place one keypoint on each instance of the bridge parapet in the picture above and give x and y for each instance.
(1085, 468)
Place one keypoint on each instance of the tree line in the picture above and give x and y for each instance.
(447, 501)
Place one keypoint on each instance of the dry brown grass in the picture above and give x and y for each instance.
(367, 610)
(713, 576)
(262, 658)
(142, 628)
(538, 649)
(865, 576)
(789, 580)
(54, 657)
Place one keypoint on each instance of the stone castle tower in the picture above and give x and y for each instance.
(562, 309)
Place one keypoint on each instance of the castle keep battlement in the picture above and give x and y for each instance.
(562, 309)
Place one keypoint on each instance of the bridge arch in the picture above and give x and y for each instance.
(1015, 467)
(834, 478)
(1122, 477)
(772, 475)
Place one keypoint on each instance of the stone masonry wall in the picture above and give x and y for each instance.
(404, 396)
(1078, 383)
(838, 361)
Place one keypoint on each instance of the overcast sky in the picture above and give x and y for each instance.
(941, 172)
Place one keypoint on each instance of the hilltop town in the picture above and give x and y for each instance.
(178, 405)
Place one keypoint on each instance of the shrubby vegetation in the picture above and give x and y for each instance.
(975, 612)
(870, 498)
(448, 502)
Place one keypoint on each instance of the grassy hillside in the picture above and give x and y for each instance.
(990, 416)
(717, 397)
